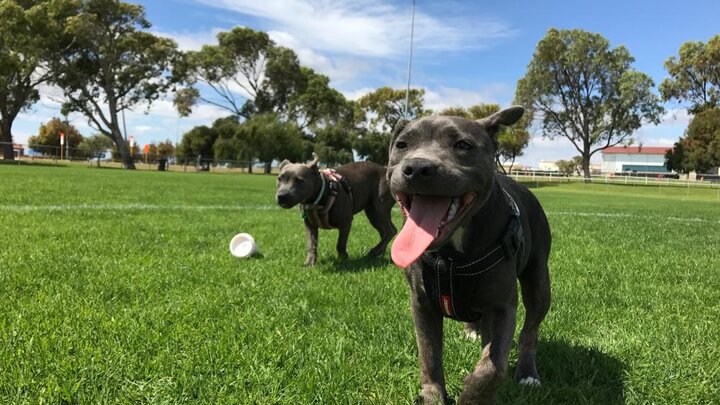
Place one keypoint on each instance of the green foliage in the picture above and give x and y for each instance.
(333, 145)
(47, 141)
(197, 142)
(272, 138)
(511, 143)
(165, 149)
(381, 109)
(570, 167)
(30, 36)
(95, 144)
(587, 92)
(377, 113)
(699, 149)
(112, 59)
(694, 75)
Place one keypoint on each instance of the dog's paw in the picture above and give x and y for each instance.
(310, 261)
(529, 382)
(472, 335)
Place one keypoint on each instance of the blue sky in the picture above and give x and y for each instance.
(466, 52)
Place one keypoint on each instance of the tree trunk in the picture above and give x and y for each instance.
(586, 167)
(268, 167)
(512, 163)
(499, 165)
(250, 163)
(124, 149)
(7, 142)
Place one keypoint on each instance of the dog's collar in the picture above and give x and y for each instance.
(317, 213)
(320, 194)
(446, 271)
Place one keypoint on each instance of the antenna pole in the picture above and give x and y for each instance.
(412, 35)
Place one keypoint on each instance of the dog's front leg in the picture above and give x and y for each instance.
(482, 384)
(312, 241)
(428, 333)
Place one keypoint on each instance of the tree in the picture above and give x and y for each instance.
(333, 145)
(511, 140)
(112, 66)
(587, 92)
(694, 75)
(511, 143)
(273, 139)
(699, 149)
(246, 72)
(95, 145)
(232, 143)
(30, 33)
(377, 114)
(674, 158)
(47, 141)
(165, 149)
(570, 167)
(198, 142)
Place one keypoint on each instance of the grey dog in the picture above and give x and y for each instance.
(330, 199)
(469, 234)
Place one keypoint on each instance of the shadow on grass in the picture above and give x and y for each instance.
(570, 375)
(355, 264)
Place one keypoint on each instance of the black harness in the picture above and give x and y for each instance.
(317, 213)
(450, 277)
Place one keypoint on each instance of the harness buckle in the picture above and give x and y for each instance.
(512, 240)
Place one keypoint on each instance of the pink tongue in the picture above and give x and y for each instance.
(420, 228)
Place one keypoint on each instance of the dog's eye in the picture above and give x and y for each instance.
(401, 145)
(462, 145)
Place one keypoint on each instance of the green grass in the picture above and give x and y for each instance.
(117, 287)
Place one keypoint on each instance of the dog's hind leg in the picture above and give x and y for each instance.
(379, 216)
(535, 286)
(343, 233)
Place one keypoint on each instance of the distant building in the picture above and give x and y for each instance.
(18, 150)
(548, 166)
(643, 159)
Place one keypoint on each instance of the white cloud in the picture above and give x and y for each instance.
(676, 116)
(367, 27)
(191, 41)
(444, 97)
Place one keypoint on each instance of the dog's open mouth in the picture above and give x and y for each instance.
(429, 219)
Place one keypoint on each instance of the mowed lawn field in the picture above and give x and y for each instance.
(118, 287)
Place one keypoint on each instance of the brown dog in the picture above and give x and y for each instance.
(330, 198)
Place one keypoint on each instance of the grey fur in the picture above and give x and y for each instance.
(301, 184)
(428, 157)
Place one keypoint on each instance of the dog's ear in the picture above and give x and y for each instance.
(283, 164)
(507, 116)
(313, 163)
(398, 128)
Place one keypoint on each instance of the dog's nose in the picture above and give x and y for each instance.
(282, 199)
(419, 168)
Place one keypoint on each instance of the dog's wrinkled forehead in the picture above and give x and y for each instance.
(448, 126)
(428, 128)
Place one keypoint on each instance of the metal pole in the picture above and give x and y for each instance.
(412, 36)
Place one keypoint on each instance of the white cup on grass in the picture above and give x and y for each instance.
(243, 245)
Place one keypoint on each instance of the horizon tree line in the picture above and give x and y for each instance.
(101, 56)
